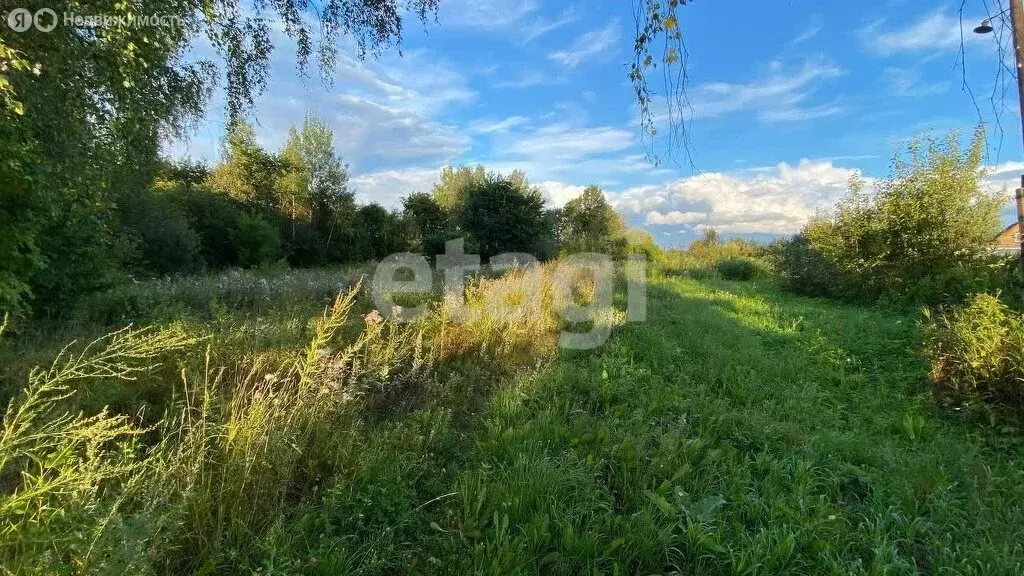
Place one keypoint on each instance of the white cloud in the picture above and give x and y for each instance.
(800, 114)
(493, 126)
(542, 26)
(373, 134)
(590, 45)
(1003, 178)
(907, 82)
(938, 30)
(528, 79)
(778, 202)
(558, 194)
(488, 15)
(388, 187)
(813, 27)
(385, 114)
(778, 97)
(566, 143)
(674, 218)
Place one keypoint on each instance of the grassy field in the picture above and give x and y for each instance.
(736, 431)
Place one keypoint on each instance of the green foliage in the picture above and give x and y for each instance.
(215, 218)
(590, 224)
(977, 356)
(379, 233)
(258, 241)
(505, 216)
(735, 268)
(248, 173)
(802, 269)
(736, 430)
(432, 223)
(639, 241)
(702, 258)
(164, 240)
(923, 236)
(83, 111)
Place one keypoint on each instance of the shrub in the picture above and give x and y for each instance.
(164, 241)
(977, 355)
(922, 237)
(742, 269)
(305, 246)
(802, 269)
(258, 242)
(215, 217)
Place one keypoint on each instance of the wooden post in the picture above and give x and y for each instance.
(1020, 223)
(1017, 17)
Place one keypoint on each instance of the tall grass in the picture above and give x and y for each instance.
(242, 443)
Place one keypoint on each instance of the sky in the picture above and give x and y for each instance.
(787, 101)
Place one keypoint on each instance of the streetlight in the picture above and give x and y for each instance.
(1017, 20)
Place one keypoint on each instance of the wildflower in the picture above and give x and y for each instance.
(37, 69)
(373, 318)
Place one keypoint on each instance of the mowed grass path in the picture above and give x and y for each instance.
(737, 430)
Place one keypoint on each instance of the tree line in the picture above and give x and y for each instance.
(296, 205)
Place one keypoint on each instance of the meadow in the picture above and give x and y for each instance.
(249, 430)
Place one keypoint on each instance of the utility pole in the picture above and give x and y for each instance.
(1017, 17)
(1017, 20)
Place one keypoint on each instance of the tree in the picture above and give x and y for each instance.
(590, 224)
(453, 185)
(84, 110)
(501, 216)
(313, 190)
(432, 223)
(379, 233)
(248, 172)
(331, 200)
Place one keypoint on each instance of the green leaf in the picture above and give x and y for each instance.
(705, 509)
(662, 504)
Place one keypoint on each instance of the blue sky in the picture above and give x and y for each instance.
(789, 99)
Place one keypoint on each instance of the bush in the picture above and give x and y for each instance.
(921, 238)
(215, 217)
(258, 242)
(164, 241)
(977, 355)
(742, 269)
(804, 270)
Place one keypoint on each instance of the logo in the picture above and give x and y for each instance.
(45, 20)
(20, 19)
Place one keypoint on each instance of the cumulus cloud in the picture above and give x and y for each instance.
(674, 218)
(776, 202)
(557, 194)
(388, 187)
